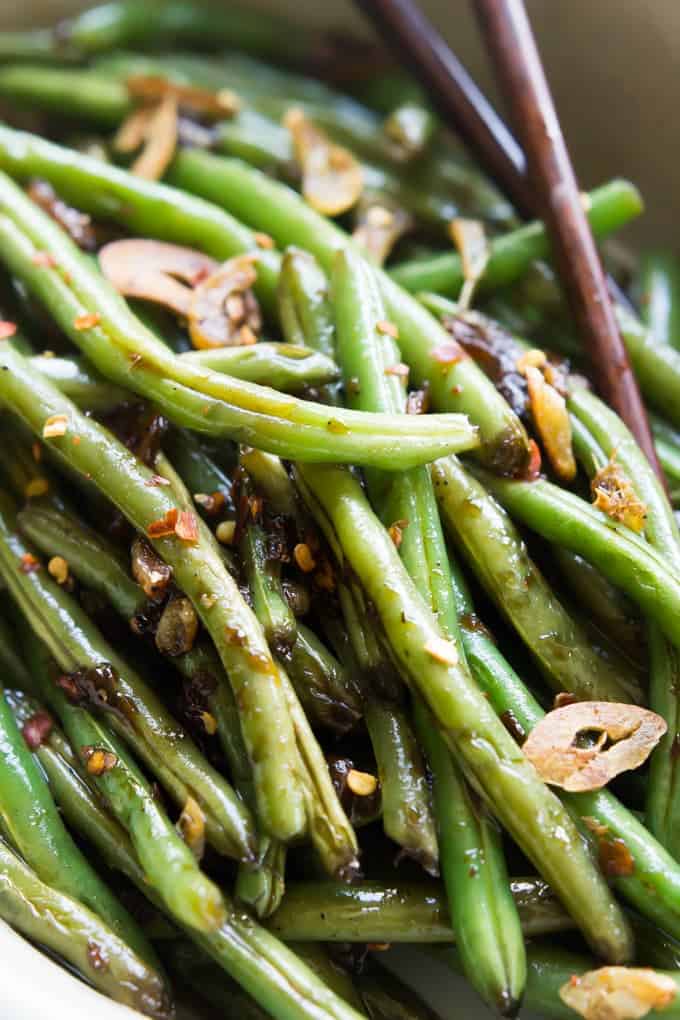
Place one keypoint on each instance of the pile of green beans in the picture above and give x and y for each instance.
(247, 656)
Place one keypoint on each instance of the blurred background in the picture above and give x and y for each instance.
(614, 66)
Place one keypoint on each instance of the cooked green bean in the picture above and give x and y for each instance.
(200, 573)
(455, 386)
(81, 806)
(143, 207)
(495, 551)
(94, 561)
(139, 718)
(494, 951)
(407, 912)
(210, 401)
(609, 208)
(618, 553)
(125, 23)
(67, 928)
(658, 292)
(611, 611)
(662, 814)
(41, 839)
(426, 659)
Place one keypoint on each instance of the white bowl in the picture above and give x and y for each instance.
(614, 66)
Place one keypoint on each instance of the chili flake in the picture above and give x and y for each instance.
(165, 525)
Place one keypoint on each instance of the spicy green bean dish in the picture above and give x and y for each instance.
(337, 610)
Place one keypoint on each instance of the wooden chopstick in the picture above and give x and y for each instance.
(550, 190)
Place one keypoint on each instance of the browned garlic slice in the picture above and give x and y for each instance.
(332, 179)
(618, 993)
(623, 738)
(551, 419)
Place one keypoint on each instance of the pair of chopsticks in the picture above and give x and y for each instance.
(542, 183)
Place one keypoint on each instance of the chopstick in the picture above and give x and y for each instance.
(547, 188)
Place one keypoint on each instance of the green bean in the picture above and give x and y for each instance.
(408, 912)
(81, 806)
(609, 208)
(625, 559)
(83, 95)
(112, 25)
(656, 366)
(434, 189)
(521, 802)
(657, 284)
(140, 717)
(12, 664)
(200, 573)
(110, 193)
(662, 815)
(483, 914)
(366, 360)
(93, 560)
(550, 968)
(271, 973)
(303, 304)
(498, 556)
(285, 367)
(80, 383)
(41, 839)
(454, 387)
(406, 807)
(66, 927)
(168, 863)
(325, 690)
(119, 337)
(264, 580)
(610, 610)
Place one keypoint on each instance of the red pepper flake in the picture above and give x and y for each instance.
(87, 321)
(186, 527)
(29, 564)
(263, 240)
(36, 730)
(387, 329)
(156, 480)
(448, 354)
(7, 329)
(616, 860)
(164, 526)
(43, 259)
(400, 370)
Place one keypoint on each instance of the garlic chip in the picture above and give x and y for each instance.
(332, 179)
(618, 993)
(223, 311)
(378, 229)
(614, 494)
(469, 238)
(551, 419)
(583, 746)
(147, 269)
